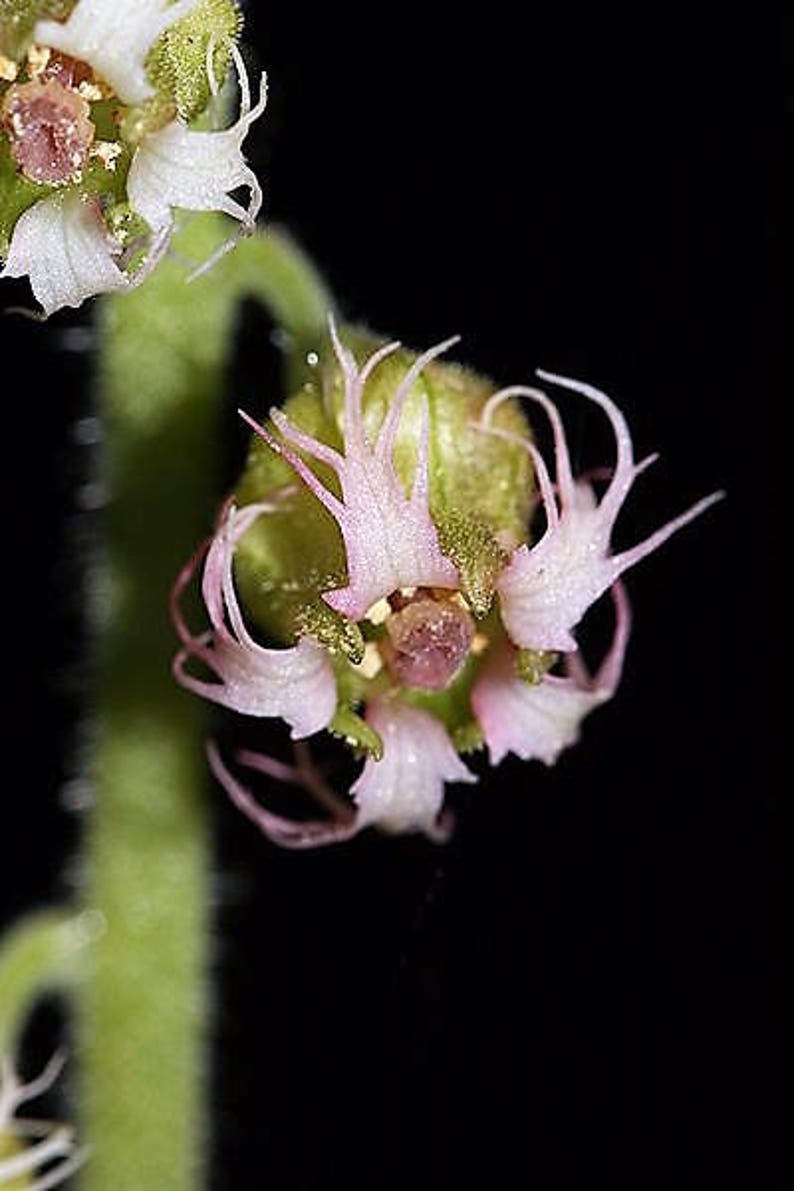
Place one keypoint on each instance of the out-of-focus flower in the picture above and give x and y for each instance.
(34, 1154)
(432, 670)
(97, 148)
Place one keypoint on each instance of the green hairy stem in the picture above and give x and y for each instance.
(142, 1000)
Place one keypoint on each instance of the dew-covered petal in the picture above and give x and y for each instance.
(114, 39)
(295, 684)
(62, 245)
(404, 791)
(538, 722)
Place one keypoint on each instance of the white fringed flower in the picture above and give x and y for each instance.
(546, 589)
(390, 539)
(177, 167)
(171, 167)
(27, 1147)
(115, 39)
(294, 684)
(536, 722)
(62, 244)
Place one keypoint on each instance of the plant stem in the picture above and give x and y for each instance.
(144, 1008)
(42, 952)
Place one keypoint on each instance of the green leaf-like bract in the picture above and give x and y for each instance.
(177, 64)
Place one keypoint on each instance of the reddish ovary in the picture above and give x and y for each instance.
(50, 130)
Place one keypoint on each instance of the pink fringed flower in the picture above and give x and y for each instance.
(425, 662)
(390, 539)
(405, 790)
(546, 589)
(537, 721)
(402, 792)
(294, 684)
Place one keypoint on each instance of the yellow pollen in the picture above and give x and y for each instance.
(379, 611)
(90, 92)
(479, 644)
(372, 663)
(8, 69)
(38, 57)
(108, 152)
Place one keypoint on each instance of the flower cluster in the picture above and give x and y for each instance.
(98, 147)
(434, 665)
(34, 1154)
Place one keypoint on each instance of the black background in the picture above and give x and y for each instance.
(577, 989)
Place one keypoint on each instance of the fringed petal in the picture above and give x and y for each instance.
(295, 684)
(545, 590)
(44, 1146)
(62, 245)
(177, 167)
(404, 791)
(390, 539)
(287, 833)
(114, 39)
(538, 722)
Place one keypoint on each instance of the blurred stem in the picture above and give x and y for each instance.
(42, 953)
(145, 1004)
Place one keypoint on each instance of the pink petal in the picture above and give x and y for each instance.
(405, 790)
(288, 833)
(538, 722)
(296, 684)
(545, 590)
(390, 539)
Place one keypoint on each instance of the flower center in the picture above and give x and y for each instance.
(50, 130)
(429, 635)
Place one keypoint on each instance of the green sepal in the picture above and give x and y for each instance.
(331, 629)
(177, 65)
(532, 665)
(125, 225)
(356, 733)
(18, 19)
(477, 555)
(291, 555)
(468, 737)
